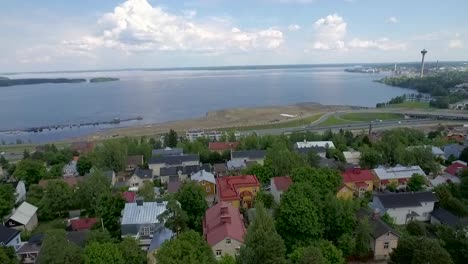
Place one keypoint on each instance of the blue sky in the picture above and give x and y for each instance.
(89, 34)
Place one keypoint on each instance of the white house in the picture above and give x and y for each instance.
(20, 191)
(23, 218)
(318, 146)
(406, 207)
(193, 134)
(278, 186)
(10, 237)
(158, 162)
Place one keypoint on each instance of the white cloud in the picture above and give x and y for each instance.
(392, 20)
(381, 44)
(330, 33)
(294, 27)
(456, 43)
(136, 26)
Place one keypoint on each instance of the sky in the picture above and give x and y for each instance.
(51, 35)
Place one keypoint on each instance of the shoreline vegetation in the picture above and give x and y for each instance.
(5, 82)
(103, 79)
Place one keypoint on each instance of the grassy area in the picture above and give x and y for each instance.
(367, 117)
(46, 226)
(333, 121)
(411, 105)
(292, 123)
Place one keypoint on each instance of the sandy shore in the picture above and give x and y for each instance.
(224, 119)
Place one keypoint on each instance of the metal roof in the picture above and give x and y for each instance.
(167, 152)
(144, 214)
(250, 154)
(174, 160)
(309, 144)
(7, 234)
(408, 199)
(398, 172)
(203, 175)
(24, 213)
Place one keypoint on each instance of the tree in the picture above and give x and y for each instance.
(34, 195)
(170, 139)
(147, 192)
(412, 250)
(313, 159)
(90, 191)
(265, 198)
(174, 217)
(26, 154)
(99, 236)
(347, 244)
(330, 252)
(455, 242)
(8, 255)
(112, 155)
(31, 171)
(188, 248)
(7, 199)
(109, 209)
(191, 197)
(323, 179)
(96, 253)
(281, 160)
(262, 244)
(83, 165)
(131, 252)
(370, 158)
(227, 259)
(56, 171)
(263, 173)
(56, 200)
(416, 228)
(417, 182)
(464, 155)
(338, 217)
(56, 249)
(310, 254)
(363, 238)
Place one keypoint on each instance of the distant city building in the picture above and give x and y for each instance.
(214, 135)
(193, 134)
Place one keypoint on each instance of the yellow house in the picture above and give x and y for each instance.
(357, 181)
(239, 191)
(397, 176)
(345, 192)
(207, 180)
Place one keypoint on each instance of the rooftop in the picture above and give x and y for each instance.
(7, 234)
(135, 160)
(397, 172)
(378, 226)
(147, 213)
(221, 146)
(228, 186)
(167, 152)
(222, 221)
(282, 183)
(24, 213)
(408, 199)
(129, 197)
(203, 176)
(82, 224)
(447, 218)
(455, 167)
(143, 173)
(248, 154)
(172, 171)
(357, 175)
(310, 144)
(174, 160)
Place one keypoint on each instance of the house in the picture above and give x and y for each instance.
(236, 165)
(239, 191)
(29, 251)
(20, 191)
(438, 153)
(279, 185)
(443, 179)
(345, 192)
(321, 151)
(442, 216)
(453, 151)
(214, 135)
(70, 170)
(161, 235)
(134, 162)
(358, 180)
(193, 134)
(206, 180)
(158, 162)
(129, 197)
(167, 152)
(223, 229)
(140, 220)
(318, 146)
(406, 207)
(455, 136)
(352, 157)
(398, 176)
(139, 177)
(82, 224)
(220, 147)
(456, 167)
(23, 218)
(219, 169)
(174, 184)
(249, 155)
(83, 147)
(10, 237)
(383, 238)
(182, 172)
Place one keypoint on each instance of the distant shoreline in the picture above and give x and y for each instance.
(7, 82)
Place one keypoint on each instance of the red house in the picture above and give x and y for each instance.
(455, 168)
(222, 146)
(129, 197)
(82, 224)
(239, 191)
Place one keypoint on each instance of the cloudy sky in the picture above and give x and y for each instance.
(107, 34)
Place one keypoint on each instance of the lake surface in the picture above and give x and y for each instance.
(160, 96)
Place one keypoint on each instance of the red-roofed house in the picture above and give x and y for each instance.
(278, 186)
(129, 197)
(222, 146)
(223, 229)
(82, 224)
(358, 180)
(455, 168)
(237, 190)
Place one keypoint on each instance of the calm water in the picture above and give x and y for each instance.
(161, 96)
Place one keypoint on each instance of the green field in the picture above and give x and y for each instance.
(292, 123)
(410, 105)
(367, 117)
(333, 121)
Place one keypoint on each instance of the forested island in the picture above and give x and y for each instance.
(103, 79)
(12, 82)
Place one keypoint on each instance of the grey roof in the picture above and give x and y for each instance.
(378, 226)
(236, 165)
(167, 152)
(78, 237)
(120, 184)
(144, 214)
(29, 248)
(447, 218)
(219, 167)
(248, 154)
(398, 172)
(7, 234)
(144, 174)
(408, 199)
(174, 160)
(161, 235)
(453, 149)
(307, 150)
(171, 171)
(24, 213)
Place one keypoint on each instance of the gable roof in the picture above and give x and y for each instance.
(306, 150)
(397, 172)
(378, 226)
(142, 173)
(310, 144)
(219, 168)
(82, 224)
(228, 186)
(24, 213)
(221, 146)
(236, 164)
(172, 171)
(357, 175)
(249, 154)
(455, 167)
(408, 199)
(222, 221)
(135, 160)
(447, 218)
(203, 176)
(167, 151)
(7, 234)
(282, 183)
(147, 213)
(174, 160)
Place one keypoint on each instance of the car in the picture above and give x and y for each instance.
(399, 122)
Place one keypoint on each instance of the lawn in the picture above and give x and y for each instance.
(333, 121)
(285, 124)
(50, 225)
(367, 117)
(411, 105)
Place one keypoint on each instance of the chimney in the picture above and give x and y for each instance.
(224, 210)
(376, 213)
(225, 219)
(139, 202)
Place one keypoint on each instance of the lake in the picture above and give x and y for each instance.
(160, 96)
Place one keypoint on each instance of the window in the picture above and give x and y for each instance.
(208, 189)
(219, 252)
(237, 250)
(386, 245)
(203, 183)
(228, 241)
(254, 190)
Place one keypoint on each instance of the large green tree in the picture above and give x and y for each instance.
(56, 249)
(147, 192)
(262, 244)
(91, 190)
(417, 182)
(112, 155)
(362, 238)
(171, 139)
(105, 253)
(174, 217)
(188, 248)
(7, 199)
(8, 255)
(337, 216)
(323, 179)
(34, 195)
(281, 160)
(412, 250)
(84, 164)
(109, 209)
(263, 173)
(56, 200)
(31, 171)
(191, 197)
(131, 252)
